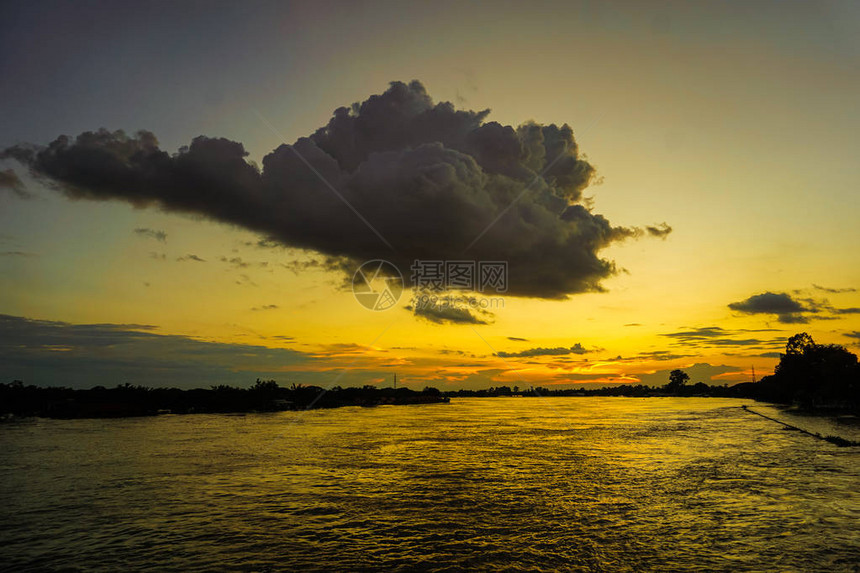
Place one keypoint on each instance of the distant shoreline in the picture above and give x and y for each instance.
(134, 401)
(18, 400)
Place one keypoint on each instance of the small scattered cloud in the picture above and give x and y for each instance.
(660, 231)
(190, 257)
(787, 309)
(298, 266)
(516, 339)
(451, 310)
(662, 355)
(268, 243)
(160, 236)
(235, 261)
(457, 352)
(24, 254)
(266, 307)
(790, 310)
(157, 256)
(717, 336)
(240, 263)
(701, 333)
(10, 180)
(834, 290)
(539, 351)
(851, 310)
(245, 280)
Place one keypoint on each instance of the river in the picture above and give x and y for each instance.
(490, 484)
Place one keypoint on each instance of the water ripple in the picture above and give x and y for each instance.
(515, 484)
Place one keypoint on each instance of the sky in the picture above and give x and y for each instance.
(669, 185)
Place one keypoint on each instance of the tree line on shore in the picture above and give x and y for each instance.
(809, 375)
(130, 400)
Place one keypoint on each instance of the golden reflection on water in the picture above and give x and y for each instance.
(616, 484)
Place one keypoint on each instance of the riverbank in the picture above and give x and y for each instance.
(18, 400)
(128, 401)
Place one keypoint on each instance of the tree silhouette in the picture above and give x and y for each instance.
(813, 374)
(799, 344)
(677, 379)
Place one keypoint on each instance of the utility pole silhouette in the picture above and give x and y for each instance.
(395, 380)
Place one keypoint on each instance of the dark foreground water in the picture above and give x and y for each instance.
(518, 484)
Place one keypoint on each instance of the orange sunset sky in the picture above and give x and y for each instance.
(128, 259)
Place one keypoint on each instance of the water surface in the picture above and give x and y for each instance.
(495, 484)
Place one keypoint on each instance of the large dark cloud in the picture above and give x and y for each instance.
(428, 178)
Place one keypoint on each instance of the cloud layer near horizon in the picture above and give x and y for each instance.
(426, 177)
(48, 352)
